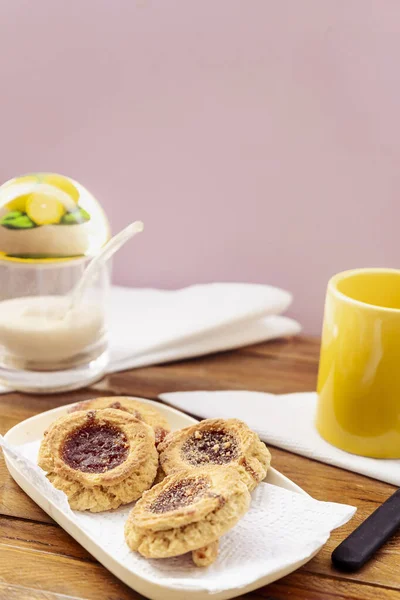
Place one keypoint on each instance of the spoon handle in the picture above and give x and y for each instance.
(107, 251)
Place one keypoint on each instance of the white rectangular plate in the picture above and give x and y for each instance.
(32, 430)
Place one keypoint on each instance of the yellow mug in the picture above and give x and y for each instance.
(359, 371)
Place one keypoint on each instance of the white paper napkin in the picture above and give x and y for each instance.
(285, 421)
(280, 529)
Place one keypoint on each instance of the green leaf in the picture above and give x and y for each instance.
(13, 214)
(17, 221)
(74, 218)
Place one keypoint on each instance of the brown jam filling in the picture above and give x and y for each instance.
(180, 494)
(95, 448)
(210, 446)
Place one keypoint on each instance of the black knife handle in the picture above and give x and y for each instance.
(359, 547)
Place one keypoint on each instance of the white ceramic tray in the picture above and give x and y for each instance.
(32, 430)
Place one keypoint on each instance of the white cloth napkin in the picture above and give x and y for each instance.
(150, 326)
(281, 529)
(285, 421)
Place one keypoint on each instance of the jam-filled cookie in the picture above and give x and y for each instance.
(187, 512)
(140, 410)
(224, 442)
(100, 459)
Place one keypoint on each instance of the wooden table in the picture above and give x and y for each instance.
(39, 561)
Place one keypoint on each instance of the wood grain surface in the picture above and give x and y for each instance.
(40, 561)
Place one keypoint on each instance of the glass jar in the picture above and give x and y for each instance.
(50, 227)
(45, 344)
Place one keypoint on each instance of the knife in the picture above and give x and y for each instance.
(362, 544)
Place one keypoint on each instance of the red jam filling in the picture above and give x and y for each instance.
(95, 448)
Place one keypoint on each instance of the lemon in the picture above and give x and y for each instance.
(22, 179)
(18, 203)
(43, 209)
(63, 184)
(58, 181)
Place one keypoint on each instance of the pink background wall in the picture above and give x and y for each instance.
(259, 140)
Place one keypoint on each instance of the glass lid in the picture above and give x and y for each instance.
(45, 217)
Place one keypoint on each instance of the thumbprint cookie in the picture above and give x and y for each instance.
(188, 512)
(219, 442)
(141, 410)
(100, 459)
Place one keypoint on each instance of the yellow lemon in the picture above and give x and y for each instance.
(20, 202)
(43, 209)
(59, 182)
(62, 183)
(22, 179)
